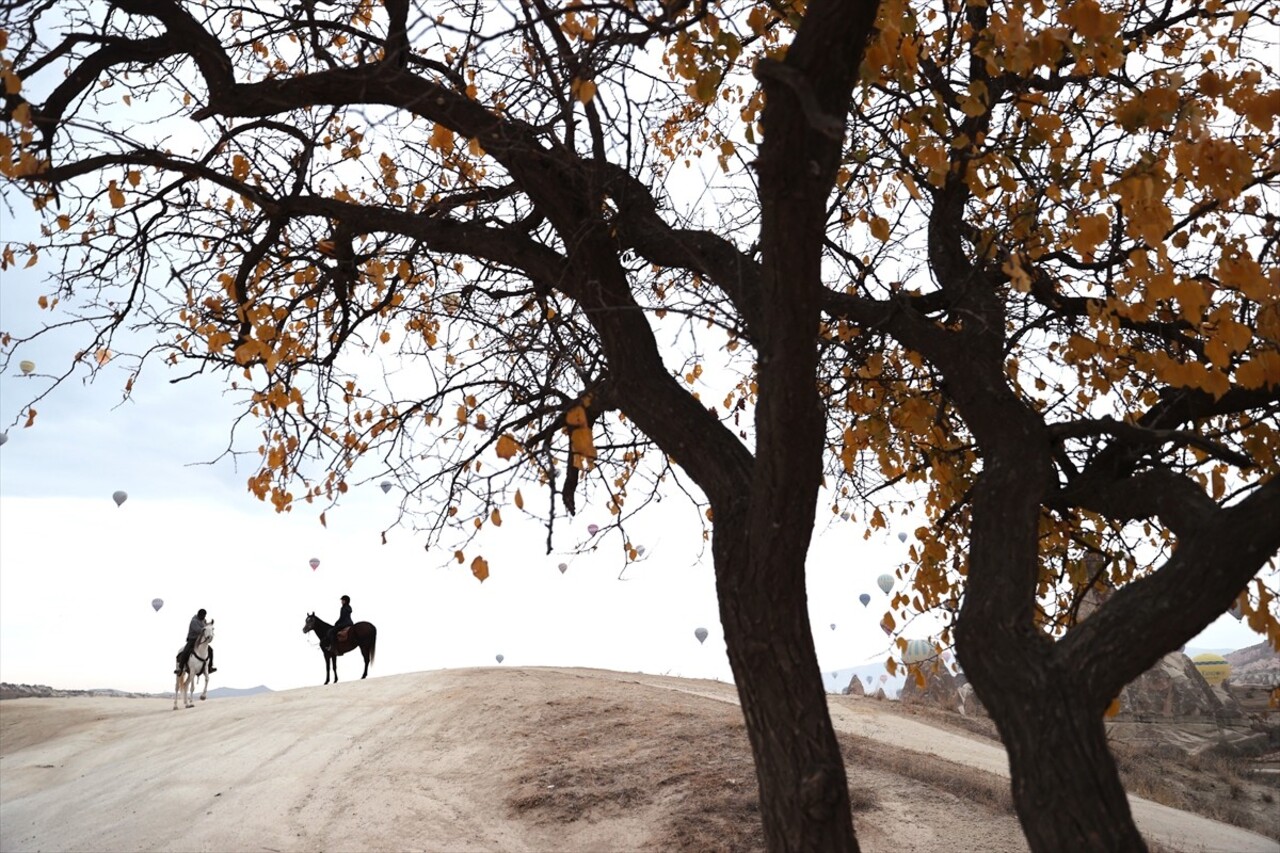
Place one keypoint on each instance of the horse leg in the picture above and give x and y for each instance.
(365, 653)
(335, 667)
(177, 689)
(326, 667)
(204, 694)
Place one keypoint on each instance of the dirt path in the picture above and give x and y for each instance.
(435, 761)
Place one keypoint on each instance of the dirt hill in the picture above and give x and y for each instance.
(468, 760)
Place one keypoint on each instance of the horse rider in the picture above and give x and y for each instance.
(193, 634)
(344, 620)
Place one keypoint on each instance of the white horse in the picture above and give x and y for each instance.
(197, 665)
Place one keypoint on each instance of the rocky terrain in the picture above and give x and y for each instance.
(1257, 666)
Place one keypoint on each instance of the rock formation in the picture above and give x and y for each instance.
(1174, 689)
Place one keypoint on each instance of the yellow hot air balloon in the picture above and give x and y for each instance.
(27, 367)
(1214, 669)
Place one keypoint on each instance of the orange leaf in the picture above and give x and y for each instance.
(519, 500)
(480, 568)
(507, 447)
(117, 197)
(496, 518)
(585, 90)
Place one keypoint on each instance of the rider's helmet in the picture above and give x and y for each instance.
(347, 599)
(200, 613)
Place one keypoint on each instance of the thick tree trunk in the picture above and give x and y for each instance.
(1066, 788)
(804, 795)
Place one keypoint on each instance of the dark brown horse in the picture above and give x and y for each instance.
(361, 634)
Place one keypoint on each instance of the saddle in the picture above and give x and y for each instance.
(343, 635)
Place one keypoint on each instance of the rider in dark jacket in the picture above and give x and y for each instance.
(194, 630)
(344, 620)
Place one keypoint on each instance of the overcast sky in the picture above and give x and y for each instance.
(78, 573)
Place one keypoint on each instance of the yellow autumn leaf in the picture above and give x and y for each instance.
(64, 222)
(480, 568)
(585, 90)
(442, 139)
(879, 228)
(507, 447)
(115, 195)
(1090, 231)
(704, 88)
(584, 447)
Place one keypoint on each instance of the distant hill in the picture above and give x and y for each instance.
(836, 680)
(1258, 665)
(27, 691)
(228, 692)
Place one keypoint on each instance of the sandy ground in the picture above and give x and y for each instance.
(466, 760)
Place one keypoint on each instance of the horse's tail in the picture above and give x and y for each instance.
(373, 641)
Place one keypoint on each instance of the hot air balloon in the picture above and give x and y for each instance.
(885, 582)
(498, 658)
(120, 497)
(865, 599)
(386, 486)
(157, 603)
(1213, 667)
(918, 651)
(701, 634)
(315, 563)
(640, 550)
(27, 367)
(902, 537)
(833, 626)
(947, 657)
(563, 567)
(869, 679)
(1237, 611)
(886, 627)
(844, 516)
(883, 679)
(593, 529)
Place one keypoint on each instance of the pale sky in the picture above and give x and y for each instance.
(77, 574)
